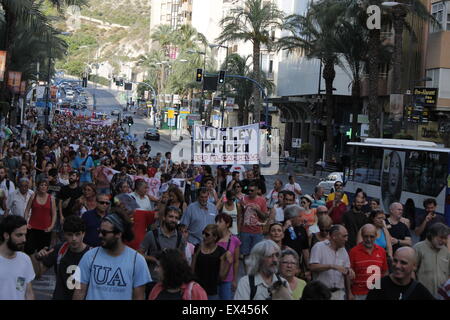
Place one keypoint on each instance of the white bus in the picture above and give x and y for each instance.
(397, 170)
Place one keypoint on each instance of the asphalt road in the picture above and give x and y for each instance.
(106, 102)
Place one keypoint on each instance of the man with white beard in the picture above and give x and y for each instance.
(16, 269)
(263, 276)
(433, 258)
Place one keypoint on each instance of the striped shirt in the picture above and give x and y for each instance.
(366, 266)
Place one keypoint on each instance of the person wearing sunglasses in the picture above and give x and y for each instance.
(120, 273)
(93, 218)
(338, 186)
(211, 262)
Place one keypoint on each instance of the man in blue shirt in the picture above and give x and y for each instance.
(113, 271)
(93, 219)
(85, 164)
(198, 215)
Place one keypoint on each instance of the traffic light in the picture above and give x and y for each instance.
(199, 75)
(128, 86)
(221, 76)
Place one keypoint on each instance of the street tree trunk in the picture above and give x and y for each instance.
(257, 75)
(329, 74)
(399, 22)
(373, 66)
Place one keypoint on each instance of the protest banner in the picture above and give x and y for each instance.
(226, 146)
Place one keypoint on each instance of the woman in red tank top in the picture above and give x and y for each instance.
(41, 216)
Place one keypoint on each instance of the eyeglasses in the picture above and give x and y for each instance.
(104, 232)
(292, 263)
(104, 202)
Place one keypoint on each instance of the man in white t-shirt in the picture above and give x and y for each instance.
(16, 269)
(141, 195)
(294, 187)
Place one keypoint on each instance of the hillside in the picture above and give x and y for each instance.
(99, 36)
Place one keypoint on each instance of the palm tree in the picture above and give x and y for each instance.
(164, 35)
(351, 44)
(253, 22)
(242, 89)
(314, 34)
(398, 16)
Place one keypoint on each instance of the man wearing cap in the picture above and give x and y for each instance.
(113, 271)
(338, 186)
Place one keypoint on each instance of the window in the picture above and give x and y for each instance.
(425, 172)
(367, 165)
(433, 74)
(270, 66)
(437, 11)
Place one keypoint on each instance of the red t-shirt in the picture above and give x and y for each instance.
(252, 223)
(337, 213)
(365, 266)
(142, 220)
(41, 214)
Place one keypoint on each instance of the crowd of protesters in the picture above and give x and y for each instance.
(119, 222)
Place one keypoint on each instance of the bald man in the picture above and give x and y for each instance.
(367, 259)
(398, 229)
(400, 285)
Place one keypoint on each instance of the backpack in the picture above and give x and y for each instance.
(251, 280)
(158, 245)
(61, 253)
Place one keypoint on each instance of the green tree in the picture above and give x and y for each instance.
(165, 37)
(314, 34)
(253, 22)
(242, 89)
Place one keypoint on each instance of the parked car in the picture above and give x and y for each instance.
(328, 182)
(151, 134)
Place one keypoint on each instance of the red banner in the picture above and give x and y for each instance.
(2, 65)
(14, 78)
